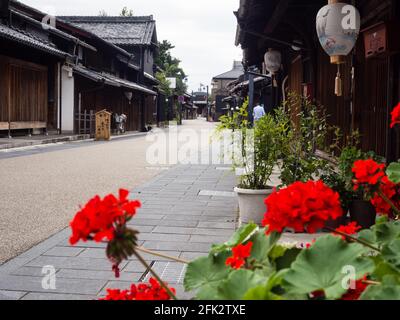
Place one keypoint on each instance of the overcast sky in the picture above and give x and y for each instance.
(203, 31)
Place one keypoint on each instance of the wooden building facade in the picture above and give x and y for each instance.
(51, 74)
(371, 85)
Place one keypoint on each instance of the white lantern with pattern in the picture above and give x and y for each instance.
(338, 27)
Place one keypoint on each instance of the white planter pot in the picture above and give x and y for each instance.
(251, 204)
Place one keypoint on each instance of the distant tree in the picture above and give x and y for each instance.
(164, 55)
(125, 12)
(171, 68)
(103, 13)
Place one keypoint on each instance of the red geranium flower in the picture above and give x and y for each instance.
(151, 291)
(355, 294)
(390, 190)
(240, 254)
(350, 229)
(368, 172)
(99, 218)
(395, 116)
(302, 207)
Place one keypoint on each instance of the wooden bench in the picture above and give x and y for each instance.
(23, 125)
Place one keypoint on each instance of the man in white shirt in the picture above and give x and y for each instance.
(258, 112)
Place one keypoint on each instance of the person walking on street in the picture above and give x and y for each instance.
(258, 112)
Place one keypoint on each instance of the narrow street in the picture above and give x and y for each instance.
(42, 187)
(185, 209)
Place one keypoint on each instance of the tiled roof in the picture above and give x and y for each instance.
(30, 40)
(235, 73)
(117, 30)
(110, 80)
(131, 85)
(93, 75)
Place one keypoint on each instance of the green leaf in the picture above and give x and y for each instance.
(261, 293)
(384, 269)
(264, 292)
(367, 235)
(387, 232)
(382, 219)
(382, 233)
(206, 270)
(210, 292)
(393, 172)
(241, 235)
(239, 283)
(391, 254)
(263, 244)
(388, 290)
(277, 252)
(286, 260)
(321, 268)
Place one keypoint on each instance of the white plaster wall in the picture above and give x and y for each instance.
(67, 98)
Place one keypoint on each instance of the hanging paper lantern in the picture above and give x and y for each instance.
(273, 61)
(338, 27)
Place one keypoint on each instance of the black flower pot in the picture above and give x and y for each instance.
(363, 212)
(334, 224)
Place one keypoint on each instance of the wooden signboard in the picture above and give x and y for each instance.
(381, 38)
(103, 125)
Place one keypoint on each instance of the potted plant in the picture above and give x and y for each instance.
(258, 166)
(361, 209)
(258, 152)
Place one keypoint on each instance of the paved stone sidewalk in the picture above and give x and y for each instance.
(185, 210)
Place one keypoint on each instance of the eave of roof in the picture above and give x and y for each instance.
(130, 85)
(245, 84)
(110, 79)
(19, 36)
(93, 75)
(39, 14)
(53, 30)
(149, 76)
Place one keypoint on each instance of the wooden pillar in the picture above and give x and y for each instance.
(251, 98)
(8, 90)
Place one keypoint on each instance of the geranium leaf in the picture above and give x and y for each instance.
(241, 235)
(381, 234)
(367, 235)
(322, 267)
(393, 172)
(209, 292)
(206, 270)
(383, 269)
(264, 292)
(386, 232)
(263, 244)
(239, 283)
(286, 260)
(391, 254)
(388, 290)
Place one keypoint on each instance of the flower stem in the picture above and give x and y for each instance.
(390, 202)
(155, 275)
(373, 283)
(354, 239)
(157, 254)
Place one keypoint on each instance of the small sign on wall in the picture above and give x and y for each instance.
(172, 82)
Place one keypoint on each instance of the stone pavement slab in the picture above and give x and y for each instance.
(175, 219)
